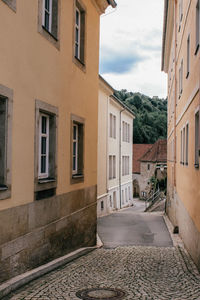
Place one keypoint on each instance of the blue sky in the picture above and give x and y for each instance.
(130, 47)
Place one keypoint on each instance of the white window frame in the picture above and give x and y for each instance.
(188, 56)
(46, 135)
(197, 25)
(197, 137)
(75, 140)
(112, 126)
(186, 143)
(112, 167)
(49, 12)
(78, 28)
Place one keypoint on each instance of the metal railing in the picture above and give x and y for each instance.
(152, 199)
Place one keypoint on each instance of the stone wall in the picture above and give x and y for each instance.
(40, 231)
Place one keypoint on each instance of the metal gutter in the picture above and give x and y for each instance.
(112, 3)
(164, 32)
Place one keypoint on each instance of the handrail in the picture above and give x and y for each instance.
(152, 199)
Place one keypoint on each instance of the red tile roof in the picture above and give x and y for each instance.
(157, 153)
(138, 151)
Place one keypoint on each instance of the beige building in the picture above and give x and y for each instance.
(181, 60)
(115, 136)
(49, 56)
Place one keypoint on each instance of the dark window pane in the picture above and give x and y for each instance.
(76, 51)
(74, 148)
(46, 21)
(43, 164)
(74, 163)
(47, 4)
(77, 35)
(44, 124)
(77, 18)
(44, 145)
(74, 132)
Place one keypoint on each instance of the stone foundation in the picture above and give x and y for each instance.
(40, 231)
(187, 229)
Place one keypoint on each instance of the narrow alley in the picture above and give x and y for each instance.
(140, 259)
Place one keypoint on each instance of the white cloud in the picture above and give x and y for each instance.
(134, 29)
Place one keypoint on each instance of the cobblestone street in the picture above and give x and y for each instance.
(142, 272)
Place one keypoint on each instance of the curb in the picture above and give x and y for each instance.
(20, 280)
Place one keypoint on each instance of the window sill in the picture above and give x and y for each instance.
(196, 166)
(80, 61)
(197, 49)
(46, 180)
(3, 188)
(53, 36)
(77, 176)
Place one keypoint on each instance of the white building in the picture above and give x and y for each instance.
(115, 140)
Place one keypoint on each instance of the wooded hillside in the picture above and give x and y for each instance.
(150, 123)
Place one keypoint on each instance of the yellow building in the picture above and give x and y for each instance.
(49, 56)
(181, 60)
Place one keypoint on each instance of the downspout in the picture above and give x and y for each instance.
(175, 86)
(120, 160)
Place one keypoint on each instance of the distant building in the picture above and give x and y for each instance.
(115, 139)
(181, 61)
(148, 160)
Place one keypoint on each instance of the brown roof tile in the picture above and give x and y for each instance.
(138, 151)
(157, 153)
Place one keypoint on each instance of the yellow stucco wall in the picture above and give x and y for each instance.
(187, 177)
(35, 69)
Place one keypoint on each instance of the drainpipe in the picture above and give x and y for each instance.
(120, 160)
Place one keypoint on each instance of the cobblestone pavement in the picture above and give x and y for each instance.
(144, 273)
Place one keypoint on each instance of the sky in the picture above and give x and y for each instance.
(131, 45)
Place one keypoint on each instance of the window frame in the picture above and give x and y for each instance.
(197, 26)
(50, 182)
(197, 138)
(53, 38)
(7, 95)
(42, 175)
(112, 167)
(81, 58)
(77, 175)
(49, 12)
(188, 56)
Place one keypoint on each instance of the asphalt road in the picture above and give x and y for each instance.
(131, 227)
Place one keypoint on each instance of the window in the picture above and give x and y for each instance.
(125, 132)
(110, 201)
(77, 148)
(79, 41)
(186, 144)
(11, 4)
(125, 165)
(112, 126)
(48, 20)
(50, 16)
(129, 192)
(45, 150)
(188, 56)
(181, 161)
(197, 26)
(43, 170)
(180, 12)
(126, 195)
(122, 197)
(181, 79)
(102, 205)
(197, 140)
(6, 96)
(148, 167)
(112, 166)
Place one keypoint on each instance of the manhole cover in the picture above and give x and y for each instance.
(101, 294)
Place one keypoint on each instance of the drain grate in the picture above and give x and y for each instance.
(101, 294)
